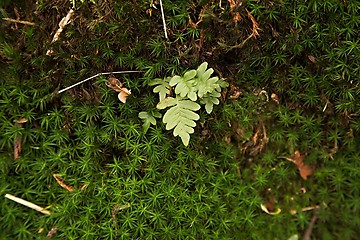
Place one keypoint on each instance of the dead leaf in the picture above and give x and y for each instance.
(64, 21)
(51, 233)
(275, 98)
(311, 58)
(17, 148)
(59, 180)
(298, 160)
(124, 94)
(255, 29)
(234, 4)
(258, 142)
(17, 141)
(116, 85)
(264, 208)
(255, 137)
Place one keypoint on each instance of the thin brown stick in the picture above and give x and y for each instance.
(308, 231)
(19, 21)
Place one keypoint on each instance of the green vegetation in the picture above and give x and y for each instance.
(181, 116)
(293, 73)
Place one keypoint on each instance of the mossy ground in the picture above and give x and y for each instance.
(131, 185)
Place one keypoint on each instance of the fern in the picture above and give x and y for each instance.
(185, 86)
(148, 118)
(192, 86)
(210, 101)
(163, 87)
(204, 83)
(180, 116)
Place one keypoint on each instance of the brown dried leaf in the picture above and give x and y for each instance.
(311, 58)
(234, 4)
(298, 160)
(114, 84)
(235, 92)
(255, 29)
(51, 233)
(64, 21)
(255, 137)
(20, 121)
(59, 180)
(17, 148)
(275, 98)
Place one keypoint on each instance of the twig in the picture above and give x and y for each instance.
(99, 74)
(17, 143)
(27, 204)
(308, 232)
(163, 19)
(19, 21)
(64, 21)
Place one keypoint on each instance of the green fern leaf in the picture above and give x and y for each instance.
(167, 102)
(148, 119)
(163, 87)
(205, 84)
(210, 100)
(185, 85)
(180, 116)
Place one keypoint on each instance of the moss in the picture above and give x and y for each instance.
(128, 184)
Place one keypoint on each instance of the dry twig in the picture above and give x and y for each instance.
(19, 21)
(64, 21)
(308, 232)
(163, 19)
(17, 142)
(99, 74)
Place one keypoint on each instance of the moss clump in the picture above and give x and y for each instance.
(293, 86)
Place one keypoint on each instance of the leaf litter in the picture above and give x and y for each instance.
(304, 169)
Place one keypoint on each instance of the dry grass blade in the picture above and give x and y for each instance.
(19, 21)
(59, 180)
(27, 204)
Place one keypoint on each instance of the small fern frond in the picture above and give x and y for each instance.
(204, 83)
(180, 116)
(163, 87)
(148, 118)
(185, 85)
(210, 100)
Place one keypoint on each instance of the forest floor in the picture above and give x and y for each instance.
(265, 145)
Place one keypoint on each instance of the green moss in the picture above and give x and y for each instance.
(134, 185)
